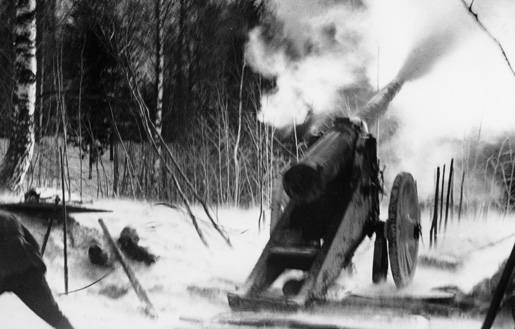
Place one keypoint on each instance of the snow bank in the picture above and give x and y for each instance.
(188, 277)
(189, 282)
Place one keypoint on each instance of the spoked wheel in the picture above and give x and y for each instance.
(403, 229)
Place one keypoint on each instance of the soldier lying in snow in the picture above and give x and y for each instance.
(22, 271)
(129, 244)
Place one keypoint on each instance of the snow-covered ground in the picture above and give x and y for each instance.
(189, 282)
(183, 283)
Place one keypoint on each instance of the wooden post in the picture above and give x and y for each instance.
(47, 235)
(452, 196)
(449, 185)
(434, 226)
(49, 228)
(499, 291)
(461, 195)
(140, 292)
(65, 225)
(441, 197)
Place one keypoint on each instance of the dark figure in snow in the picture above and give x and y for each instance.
(97, 255)
(128, 242)
(22, 271)
(32, 196)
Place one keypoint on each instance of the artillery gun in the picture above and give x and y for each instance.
(331, 203)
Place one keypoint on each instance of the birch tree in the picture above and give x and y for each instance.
(7, 13)
(21, 143)
(159, 90)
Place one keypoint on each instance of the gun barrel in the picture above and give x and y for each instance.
(330, 156)
(378, 104)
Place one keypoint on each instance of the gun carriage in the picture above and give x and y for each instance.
(328, 204)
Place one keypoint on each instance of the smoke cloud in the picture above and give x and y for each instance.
(314, 53)
(457, 83)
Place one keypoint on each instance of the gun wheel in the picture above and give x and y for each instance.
(403, 229)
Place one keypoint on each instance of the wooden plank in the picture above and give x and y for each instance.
(140, 292)
(47, 207)
(434, 306)
(294, 251)
(319, 320)
(292, 257)
(265, 301)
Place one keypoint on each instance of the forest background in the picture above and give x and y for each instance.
(155, 100)
(114, 75)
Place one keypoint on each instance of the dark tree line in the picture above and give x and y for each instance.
(98, 74)
(80, 44)
(6, 63)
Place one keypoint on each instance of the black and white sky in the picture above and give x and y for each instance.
(457, 80)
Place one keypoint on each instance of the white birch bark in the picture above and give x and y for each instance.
(159, 90)
(21, 143)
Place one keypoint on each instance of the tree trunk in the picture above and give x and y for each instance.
(159, 94)
(116, 170)
(179, 88)
(21, 144)
(237, 143)
(7, 13)
(40, 75)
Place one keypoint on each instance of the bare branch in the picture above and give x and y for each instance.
(150, 130)
(476, 17)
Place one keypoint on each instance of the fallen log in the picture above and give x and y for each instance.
(316, 320)
(140, 292)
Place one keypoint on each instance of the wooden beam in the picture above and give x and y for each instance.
(65, 225)
(500, 291)
(140, 292)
